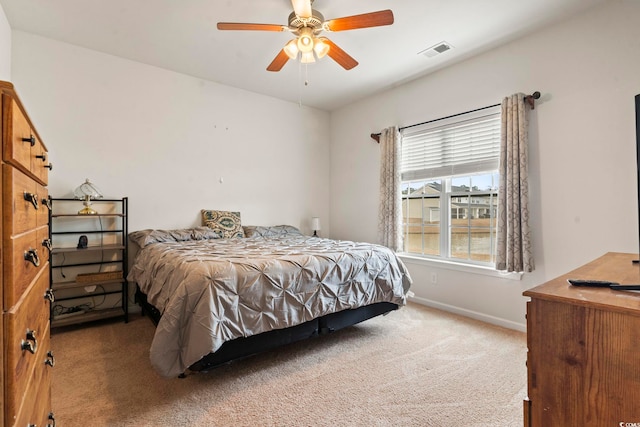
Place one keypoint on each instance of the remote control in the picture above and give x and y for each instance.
(592, 283)
(625, 287)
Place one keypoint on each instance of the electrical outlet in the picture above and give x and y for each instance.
(434, 278)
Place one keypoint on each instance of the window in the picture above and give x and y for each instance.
(450, 187)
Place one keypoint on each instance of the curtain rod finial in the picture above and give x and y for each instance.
(530, 99)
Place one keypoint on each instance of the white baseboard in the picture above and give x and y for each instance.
(522, 327)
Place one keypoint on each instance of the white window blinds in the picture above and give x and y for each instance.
(464, 144)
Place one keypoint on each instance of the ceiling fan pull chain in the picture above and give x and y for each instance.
(306, 74)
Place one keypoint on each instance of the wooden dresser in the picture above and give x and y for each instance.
(26, 357)
(583, 362)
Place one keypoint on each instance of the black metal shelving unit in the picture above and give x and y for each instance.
(74, 280)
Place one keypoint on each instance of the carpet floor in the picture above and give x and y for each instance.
(413, 367)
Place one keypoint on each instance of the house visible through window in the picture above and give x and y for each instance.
(450, 187)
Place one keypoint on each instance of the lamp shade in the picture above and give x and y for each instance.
(305, 40)
(320, 47)
(307, 58)
(315, 223)
(87, 191)
(291, 49)
(87, 188)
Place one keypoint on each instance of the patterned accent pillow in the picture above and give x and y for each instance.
(228, 224)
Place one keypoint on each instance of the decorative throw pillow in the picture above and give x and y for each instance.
(226, 223)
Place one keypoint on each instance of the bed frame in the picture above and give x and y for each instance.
(240, 348)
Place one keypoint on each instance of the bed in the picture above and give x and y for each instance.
(216, 298)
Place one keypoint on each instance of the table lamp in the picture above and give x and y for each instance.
(315, 225)
(87, 191)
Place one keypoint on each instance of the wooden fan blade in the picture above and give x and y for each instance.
(278, 62)
(339, 55)
(366, 20)
(250, 27)
(302, 8)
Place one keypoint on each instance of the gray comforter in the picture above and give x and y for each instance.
(214, 290)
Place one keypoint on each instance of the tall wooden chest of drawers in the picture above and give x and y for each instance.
(26, 356)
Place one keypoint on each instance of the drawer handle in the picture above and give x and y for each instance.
(52, 418)
(30, 140)
(42, 157)
(47, 244)
(30, 197)
(27, 344)
(50, 360)
(46, 201)
(49, 166)
(48, 294)
(32, 256)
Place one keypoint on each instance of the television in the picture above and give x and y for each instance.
(636, 261)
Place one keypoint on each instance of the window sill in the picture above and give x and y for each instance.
(457, 266)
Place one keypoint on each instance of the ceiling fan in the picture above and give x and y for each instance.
(307, 23)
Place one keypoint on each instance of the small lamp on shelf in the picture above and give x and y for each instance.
(87, 191)
(315, 225)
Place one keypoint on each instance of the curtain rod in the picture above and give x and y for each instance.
(530, 99)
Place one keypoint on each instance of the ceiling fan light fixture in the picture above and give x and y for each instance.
(291, 49)
(320, 48)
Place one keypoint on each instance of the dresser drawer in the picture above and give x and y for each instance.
(24, 352)
(22, 145)
(21, 255)
(20, 197)
(35, 407)
(17, 132)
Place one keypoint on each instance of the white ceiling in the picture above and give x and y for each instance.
(181, 35)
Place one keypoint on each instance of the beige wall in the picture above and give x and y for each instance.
(5, 47)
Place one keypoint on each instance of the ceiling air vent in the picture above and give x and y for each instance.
(436, 49)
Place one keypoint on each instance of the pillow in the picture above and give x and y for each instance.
(146, 237)
(180, 234)
(273, 231)
(204, 233)
(226, 223)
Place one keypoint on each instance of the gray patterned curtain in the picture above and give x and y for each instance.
(514, 252)
(390, 208)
